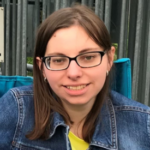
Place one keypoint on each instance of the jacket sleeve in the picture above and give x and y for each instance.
(8, 119)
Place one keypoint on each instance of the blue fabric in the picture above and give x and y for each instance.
(8, 82)
(122, 77)
(121, 83)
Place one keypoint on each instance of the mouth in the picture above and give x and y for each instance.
(79, 87)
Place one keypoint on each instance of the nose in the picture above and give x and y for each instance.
(74, 71)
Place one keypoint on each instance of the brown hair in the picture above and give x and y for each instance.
(44, 101)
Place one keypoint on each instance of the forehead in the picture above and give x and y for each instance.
(70, 41)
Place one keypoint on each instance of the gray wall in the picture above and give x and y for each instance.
(128, 22)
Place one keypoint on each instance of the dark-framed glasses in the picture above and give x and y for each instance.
(85, 60)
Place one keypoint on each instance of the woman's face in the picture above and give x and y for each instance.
(76, 85)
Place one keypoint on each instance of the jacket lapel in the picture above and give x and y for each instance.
(105, 135)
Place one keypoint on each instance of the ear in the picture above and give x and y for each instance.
(111, 54)
(39, 63)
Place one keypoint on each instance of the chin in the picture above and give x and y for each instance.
(80, 101)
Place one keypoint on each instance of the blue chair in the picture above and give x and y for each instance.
(122, 78)
(121, 81)
(8, 82)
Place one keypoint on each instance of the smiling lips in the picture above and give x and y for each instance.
(79, 87)
(76, 90)
(76, 87)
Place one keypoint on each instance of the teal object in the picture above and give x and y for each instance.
(8, 82)
(122, 77)
(121, 81)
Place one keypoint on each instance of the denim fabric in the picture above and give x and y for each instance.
(123, 124)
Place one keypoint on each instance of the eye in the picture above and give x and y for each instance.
(58, 60)
(89, 57)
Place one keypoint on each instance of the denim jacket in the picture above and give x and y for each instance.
(123, 125)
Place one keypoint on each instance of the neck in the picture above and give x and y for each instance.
(78, 114)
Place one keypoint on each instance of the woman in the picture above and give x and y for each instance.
(70, 105)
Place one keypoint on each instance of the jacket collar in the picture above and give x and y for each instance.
(105, 135)
(57, 121)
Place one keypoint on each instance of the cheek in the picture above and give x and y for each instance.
(100, 77)
(53, 78)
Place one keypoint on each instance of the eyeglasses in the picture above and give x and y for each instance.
(85, 60)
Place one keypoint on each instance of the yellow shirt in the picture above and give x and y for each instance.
(77, 143)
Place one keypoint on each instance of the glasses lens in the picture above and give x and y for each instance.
(56, 63)
(89, 59)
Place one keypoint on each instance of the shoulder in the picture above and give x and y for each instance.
(18, 96)
(14, 106)
(23, 90)
(13, 95)
(121, 102)
(23, 96)
(132, 122)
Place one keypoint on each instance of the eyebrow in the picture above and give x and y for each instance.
(82, 51)
(87, 50)
(56, 53)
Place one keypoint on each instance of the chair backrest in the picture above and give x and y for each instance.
(8, 82)
(122, 79)
(121, 83)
